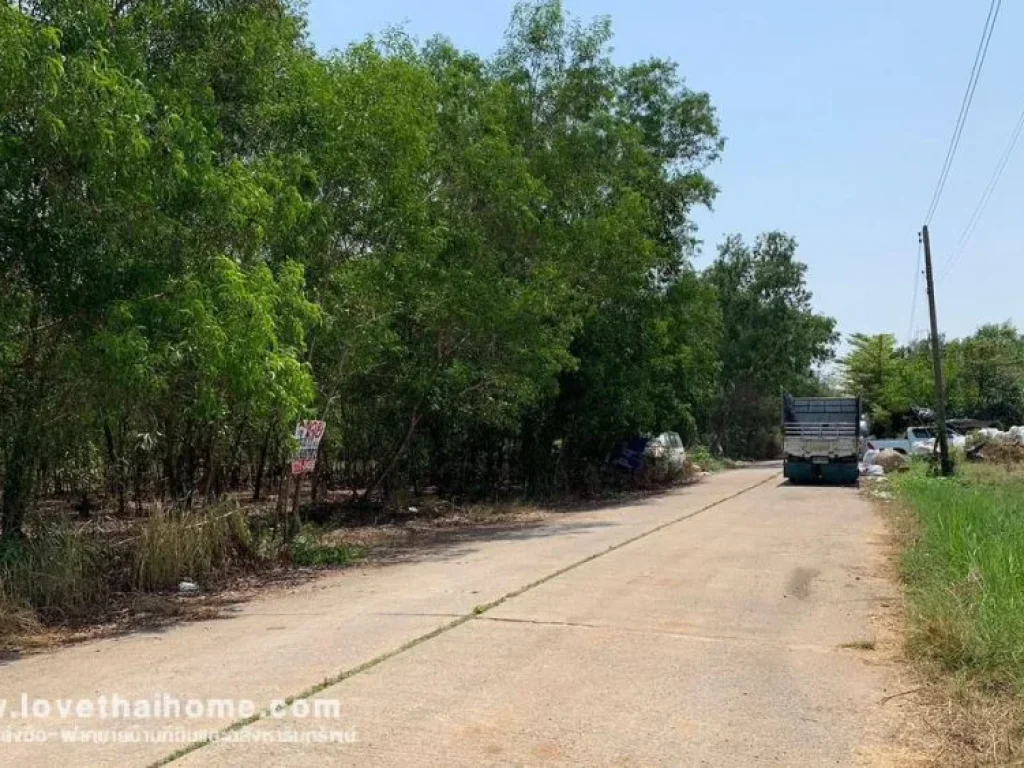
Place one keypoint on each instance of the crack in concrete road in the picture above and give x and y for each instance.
(463, 619)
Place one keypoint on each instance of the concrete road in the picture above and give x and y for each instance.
(729, 623)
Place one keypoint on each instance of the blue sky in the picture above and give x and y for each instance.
(837, 118)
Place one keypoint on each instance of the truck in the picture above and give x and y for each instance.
(916, 441)
(821, 438)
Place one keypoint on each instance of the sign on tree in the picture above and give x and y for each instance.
(308, 434)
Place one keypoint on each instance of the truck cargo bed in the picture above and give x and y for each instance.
(821, 438)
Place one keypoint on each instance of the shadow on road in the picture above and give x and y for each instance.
(439, 546)
(817, 484)
(414, 535)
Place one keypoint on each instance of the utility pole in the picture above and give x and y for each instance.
(940, 387)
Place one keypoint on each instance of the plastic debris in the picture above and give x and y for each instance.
(996, 446)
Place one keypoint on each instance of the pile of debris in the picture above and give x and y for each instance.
(996, 446)
(879, 463)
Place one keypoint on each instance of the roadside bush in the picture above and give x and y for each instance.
(661, 474)
(59, 573)
(701, 456)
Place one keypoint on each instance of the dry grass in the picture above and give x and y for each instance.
(58, 572)
(1007, 454)
(62, 578)
(982, 726)
(197, 546)
(16, 624)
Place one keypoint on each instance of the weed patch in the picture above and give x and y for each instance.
(312, 548)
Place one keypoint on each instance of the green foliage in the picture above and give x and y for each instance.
(701, 456)
(144, 317)
(984, 376)
(476, 270)
(872, 371)
(772, 339)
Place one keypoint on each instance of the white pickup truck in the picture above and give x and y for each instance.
(916, 441)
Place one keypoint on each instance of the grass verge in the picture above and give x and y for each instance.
(963, 566)
(965, 572)
(201, 546)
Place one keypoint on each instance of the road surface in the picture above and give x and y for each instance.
(732, 623)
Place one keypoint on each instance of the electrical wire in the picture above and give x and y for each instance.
(979, 210)
(917, 285)
(965, 106)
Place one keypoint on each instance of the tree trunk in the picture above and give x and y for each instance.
(233, 461)
(116, 481)
(18, 472)
(211, 462)
(282, 492)
(314, 489)
(258, 482)
(295, 523)
(393, 464)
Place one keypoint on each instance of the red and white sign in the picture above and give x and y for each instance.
(309, 434)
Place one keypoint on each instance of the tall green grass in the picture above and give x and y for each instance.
(965, 571)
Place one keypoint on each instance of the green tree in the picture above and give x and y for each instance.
(772, 339)
(872, 370)
(478, 270)
(990, 380)
(130, 184)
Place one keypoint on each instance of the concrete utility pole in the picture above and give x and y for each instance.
(940, 387)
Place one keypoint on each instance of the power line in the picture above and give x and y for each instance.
(913, 303)
(985, 197)
(965, 106)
